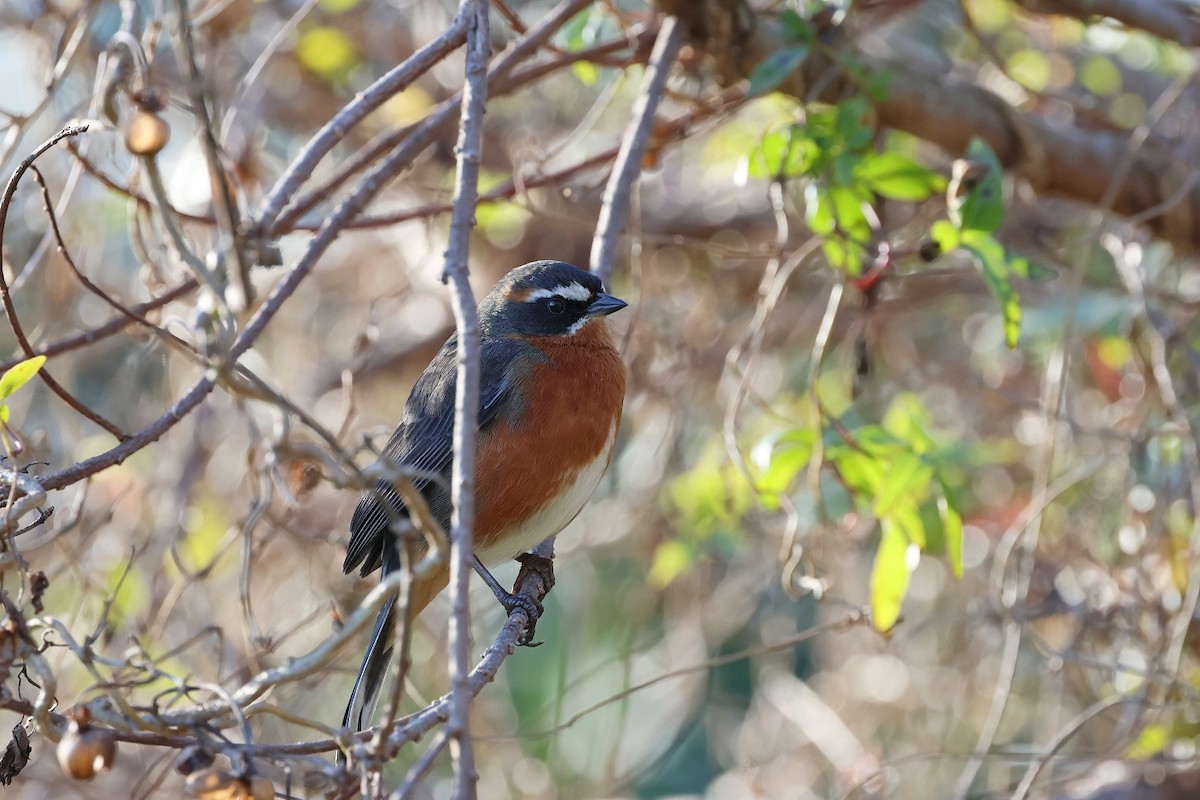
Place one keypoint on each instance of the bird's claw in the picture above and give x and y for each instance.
(533, 612)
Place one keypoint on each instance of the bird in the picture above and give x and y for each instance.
(552, 391)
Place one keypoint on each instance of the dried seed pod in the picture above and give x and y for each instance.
(84, 751)
(146, 134)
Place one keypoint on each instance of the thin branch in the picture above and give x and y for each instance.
(466, 400)
(615, 210)
(1064, 736)
(10, 309)
(107, 329)
(420, 136)
(394, 82)
(239, 293)
(847, 621)
(420, 769)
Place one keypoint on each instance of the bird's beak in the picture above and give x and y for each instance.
(605, 304)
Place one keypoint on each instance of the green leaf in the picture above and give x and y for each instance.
(907, 517)
(907, 479)
(776, 68)
(818, 209)
(502, 221)
(945, 233)
(877, 84)
(19, 375)
(783, 153)
(709, 498)
(581, 30)
(328, 52)
(980, 205)
(841, 169)
(908, 421)
(848, 206)
(587, 72)
(889, 577)
(850, 115)
(671, 558)
(797, 27)
(1030, 270)
(898, 177)
(779, 459)
(862, 472)
(844, 254)
(1152, 741)
(952, 532)
(993, 263)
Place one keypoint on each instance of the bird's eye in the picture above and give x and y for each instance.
(556, 305)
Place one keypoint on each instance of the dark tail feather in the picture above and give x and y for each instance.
(375, 660)
(372, 672)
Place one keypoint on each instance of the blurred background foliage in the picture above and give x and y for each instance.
(904, 500)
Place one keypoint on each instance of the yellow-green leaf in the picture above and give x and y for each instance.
(993, 264)
(980, 207)
(889, 577)
(945, 234)
(952, 533)
(586, 72)
(898, 177)
(670, 560)
(906, 480)
(1152, 741)
(327, 51)
(19, 375)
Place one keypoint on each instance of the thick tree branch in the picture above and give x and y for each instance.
(1060, 159)
(1172, 20)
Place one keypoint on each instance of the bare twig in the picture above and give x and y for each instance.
(416, 138)
(466, 400)
(1065, 735)
(113, 326)
(1013, 593)
(6, 296)
(394, 82)
(239, 292)
(628, 166)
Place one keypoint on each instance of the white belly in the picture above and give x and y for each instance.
(552, 517)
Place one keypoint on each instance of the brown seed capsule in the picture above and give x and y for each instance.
(261, 788)
(85, 752)
(146, 134)
(214, 784)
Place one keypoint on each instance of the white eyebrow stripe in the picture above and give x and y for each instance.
(571, 291)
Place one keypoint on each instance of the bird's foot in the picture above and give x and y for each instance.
(543, 569)
(533, 612)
